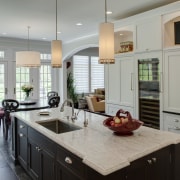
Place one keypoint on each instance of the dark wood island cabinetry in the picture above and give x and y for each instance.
(44, 159)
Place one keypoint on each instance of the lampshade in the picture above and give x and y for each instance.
(28, 59)
(106, 43)
(56, 53)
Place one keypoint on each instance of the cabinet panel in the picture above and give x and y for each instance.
(171, 81)
(70, 161)
(155, 166)
(171, 122)
(113, 84)
(22, 143)
(127, 81)
(146, 29)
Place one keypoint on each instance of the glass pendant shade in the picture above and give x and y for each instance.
(56, 53)
(106, 43)
(28, 59)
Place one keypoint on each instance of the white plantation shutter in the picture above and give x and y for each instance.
(81, 73)
(97, 74)
(88, 74)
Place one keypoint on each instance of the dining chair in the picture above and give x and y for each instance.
(1, 115)
(54, 101)
(9, 105)
(51, 94)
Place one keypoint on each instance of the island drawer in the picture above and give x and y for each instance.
(22, 128)
(172, 122)
(70, 161)
(42, 141)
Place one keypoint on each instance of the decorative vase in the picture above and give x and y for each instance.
(27, 96)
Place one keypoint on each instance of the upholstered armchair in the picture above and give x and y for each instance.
(94, 105)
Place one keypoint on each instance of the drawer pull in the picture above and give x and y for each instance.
(176, 120)
(21, 135)
(68, 160)
(154, 160)
(176, 128)
(149, 161)
(21, 126)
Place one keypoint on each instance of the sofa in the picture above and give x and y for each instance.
(94, 105)
(99, 93)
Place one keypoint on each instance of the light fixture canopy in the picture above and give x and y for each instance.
(56, 49)
(106, 41)
(28, 58)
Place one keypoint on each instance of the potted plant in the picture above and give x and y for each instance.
(71, 90)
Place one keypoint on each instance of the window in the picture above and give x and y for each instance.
(88, 74)
(2, 54)
(45, 80)
(97, 74)
(22, 77)
(45, 56)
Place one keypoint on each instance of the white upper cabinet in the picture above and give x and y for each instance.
(171, 81)
(149, 34)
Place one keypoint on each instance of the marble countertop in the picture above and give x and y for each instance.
(99, 148)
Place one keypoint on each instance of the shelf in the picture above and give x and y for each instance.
(123, 41)
(169, 31)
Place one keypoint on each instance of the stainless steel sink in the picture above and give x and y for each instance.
(58, 126)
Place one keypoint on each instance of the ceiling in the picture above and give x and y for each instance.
(17, 15)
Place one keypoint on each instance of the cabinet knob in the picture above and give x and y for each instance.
(149, 161)
(21, 135)
(21, 126)
(176, 128)
(176, 120)
(154, 160)
(68, 160)
(39, 149)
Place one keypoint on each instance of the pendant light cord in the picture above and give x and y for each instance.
(105, 11)
(28, 36)
(56, 19)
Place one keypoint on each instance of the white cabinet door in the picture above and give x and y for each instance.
(127, 83)
(112, 82)
(120, 85)
(149, 34)
(171, 81)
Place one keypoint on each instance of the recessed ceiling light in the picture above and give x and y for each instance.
(108, 12)
(44, 38)
(4, 33)
(59, 32)
(121, 34)
(79, 24)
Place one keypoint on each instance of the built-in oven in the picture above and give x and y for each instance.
(149, 81)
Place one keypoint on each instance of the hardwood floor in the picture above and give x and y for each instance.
(8, 171)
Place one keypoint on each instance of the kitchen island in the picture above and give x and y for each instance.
(92, 152)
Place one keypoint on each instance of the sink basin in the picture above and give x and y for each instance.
(58, 126)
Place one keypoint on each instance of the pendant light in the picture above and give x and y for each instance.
(28, 58)
(106, 41)
(56, 49)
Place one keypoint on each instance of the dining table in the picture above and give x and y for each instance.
(33, 104)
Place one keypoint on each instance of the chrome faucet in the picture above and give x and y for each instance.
(85, 119)
(73, 116)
